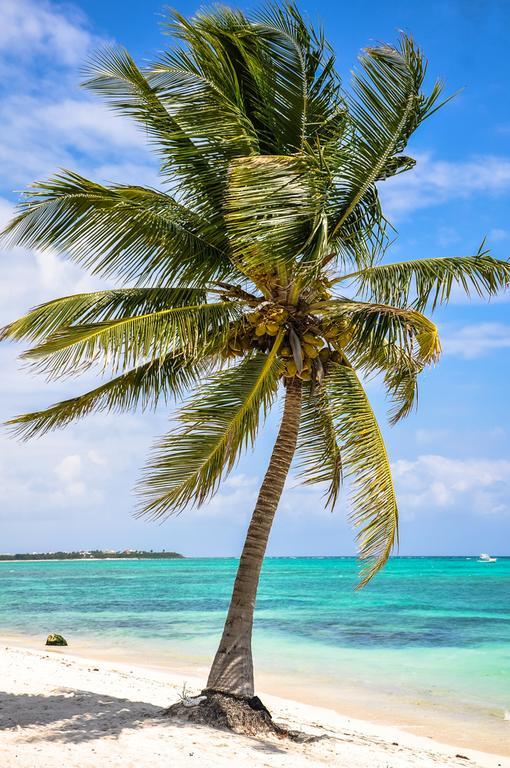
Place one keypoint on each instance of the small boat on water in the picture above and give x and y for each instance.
(484, 558)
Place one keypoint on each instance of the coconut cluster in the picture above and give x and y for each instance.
(308, 345)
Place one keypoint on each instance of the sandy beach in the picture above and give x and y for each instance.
(60, 708)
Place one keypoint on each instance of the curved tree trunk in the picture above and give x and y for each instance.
(232, 669)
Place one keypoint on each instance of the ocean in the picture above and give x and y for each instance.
(425, 646)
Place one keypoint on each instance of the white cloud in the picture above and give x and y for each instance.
(46, 120)
(44, 132)
(435, 181)
(86, 465)
(235, 499)
(69, 473)
(433, 481)
(32, 277)
(86, 123)
(30, 28)
(69, 469)
(497, 234)
(476, 340)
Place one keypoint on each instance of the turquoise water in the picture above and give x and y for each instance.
(428, 638)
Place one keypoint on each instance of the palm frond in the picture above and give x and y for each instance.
(144, 387)
(422, 282)
(129, 341)
(393, 341)
(319, 458)
(373, 326)
(188, 464)
(273, 67)
(47, 318)
(274, 212)
(283, 80)
(401, 382)
(200, 92)
(113, 74)
(366, 464)
(386, 108)
(131, 232)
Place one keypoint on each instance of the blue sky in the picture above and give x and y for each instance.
(451, 461)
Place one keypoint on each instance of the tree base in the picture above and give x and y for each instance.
(222, 710)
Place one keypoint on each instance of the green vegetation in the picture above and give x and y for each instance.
(94, 554)
(260, 270)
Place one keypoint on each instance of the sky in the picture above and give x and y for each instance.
(451, 461)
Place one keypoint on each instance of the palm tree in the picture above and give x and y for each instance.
(258, 269)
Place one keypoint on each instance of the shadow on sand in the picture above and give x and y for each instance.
(74, 716)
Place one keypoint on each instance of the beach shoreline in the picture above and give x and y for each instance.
(47, 678)
(413, 716)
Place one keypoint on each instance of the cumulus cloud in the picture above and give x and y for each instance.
(428, 483)
(30, 29)
(432, 481)
(69, 472)
(477, 340)
(434, 181)
(49, 481)
(46, 120)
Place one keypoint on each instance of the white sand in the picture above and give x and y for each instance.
(57, 709)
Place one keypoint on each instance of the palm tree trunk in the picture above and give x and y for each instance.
(232, 669)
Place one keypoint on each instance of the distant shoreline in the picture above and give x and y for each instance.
(93, 555)
(81, 559)
(176, 556)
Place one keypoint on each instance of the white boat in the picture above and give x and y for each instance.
(484, 558)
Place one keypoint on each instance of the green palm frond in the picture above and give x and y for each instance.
(273, 212)
(129, 341)
(188, 464)
(315, 105)
(373, 326)
(204, 106)
(402, 385)
(144, 387)
(399, 368)
(273, 58)
(367, 467)
(395, 342)
(386, 108)
(51, 316)
(319, 458)
(113, 74)
(430, 281)
(131, 232)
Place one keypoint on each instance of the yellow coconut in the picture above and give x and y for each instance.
(290, 368)
(310, 351)
(272, 328)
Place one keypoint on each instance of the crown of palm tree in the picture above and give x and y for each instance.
(260, 263)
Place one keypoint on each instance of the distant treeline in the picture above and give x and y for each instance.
(95, 554)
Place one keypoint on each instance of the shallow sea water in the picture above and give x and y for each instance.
(426, 645)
